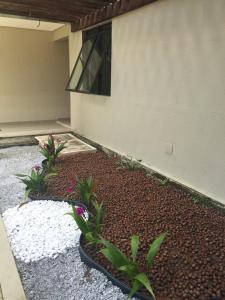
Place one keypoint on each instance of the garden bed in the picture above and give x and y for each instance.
(191, 261)
(44, 247)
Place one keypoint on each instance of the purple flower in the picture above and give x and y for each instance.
(37, 168)
(80, 211)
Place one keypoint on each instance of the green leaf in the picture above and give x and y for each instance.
(50, 175)
(125, 268)
(114, 255)
(92, 238)
(99, 214)
(143, 279)
(154, 248)
(60, 148)
(44, 152)
(20, 175)
(131, 270)
(134, 246)
(136, 286)
(27, 193)
(80, 223)
(89, 237)
(113, 258)
(26, 182)
(33, 174)
(108, 256)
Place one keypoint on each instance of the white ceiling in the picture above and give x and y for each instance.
(28, 24)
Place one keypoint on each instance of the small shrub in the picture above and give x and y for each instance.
(129, 163)
(204, 200)
(129, 265)
(37, 181)
(91, 227)
(163, 182)
(97, 219)
(50, 151)
(85, 188)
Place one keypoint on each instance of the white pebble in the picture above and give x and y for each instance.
(40, 229)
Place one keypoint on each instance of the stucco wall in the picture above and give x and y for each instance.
(168, 85)
(33, 75)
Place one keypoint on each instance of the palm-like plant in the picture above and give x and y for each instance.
(86, 190)
(37, 181)
(129, 163)
(129, 265)
(51, 151)
(91, 227)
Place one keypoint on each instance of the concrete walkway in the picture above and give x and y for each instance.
(10, 283)
(31, 128)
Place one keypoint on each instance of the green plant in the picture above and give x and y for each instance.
(96, 219)
(86, 190)
(129, 265)
(129, 163)
(37, 181)
(199, 198)
(51, 150)
(163, 182)
(92, 226)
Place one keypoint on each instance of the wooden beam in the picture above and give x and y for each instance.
(60, 10)
(108, 12)
(80, 13)
(29, 12)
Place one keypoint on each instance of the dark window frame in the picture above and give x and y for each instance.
(95, 34)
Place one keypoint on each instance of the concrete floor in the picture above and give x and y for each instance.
(64, 122)
(32, 128)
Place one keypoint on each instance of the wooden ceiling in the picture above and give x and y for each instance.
(80, 13)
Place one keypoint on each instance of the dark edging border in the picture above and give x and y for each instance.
(52, 198)
(85, 258)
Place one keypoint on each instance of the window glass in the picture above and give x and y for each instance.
(80, 64)
(94, 63)
(92, 70)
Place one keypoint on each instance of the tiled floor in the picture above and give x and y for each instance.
(31, 128)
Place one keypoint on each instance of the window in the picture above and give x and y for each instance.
(92, 70)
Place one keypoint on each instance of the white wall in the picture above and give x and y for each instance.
(33, 74)
(168, 88)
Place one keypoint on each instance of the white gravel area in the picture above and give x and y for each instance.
(66, 278)
(40, 229)
(45, 240)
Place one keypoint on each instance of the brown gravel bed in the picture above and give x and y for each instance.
(191, 262)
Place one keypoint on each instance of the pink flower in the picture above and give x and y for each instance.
(73, 182)
(80, 211)
(70, 189)
(37, 168)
